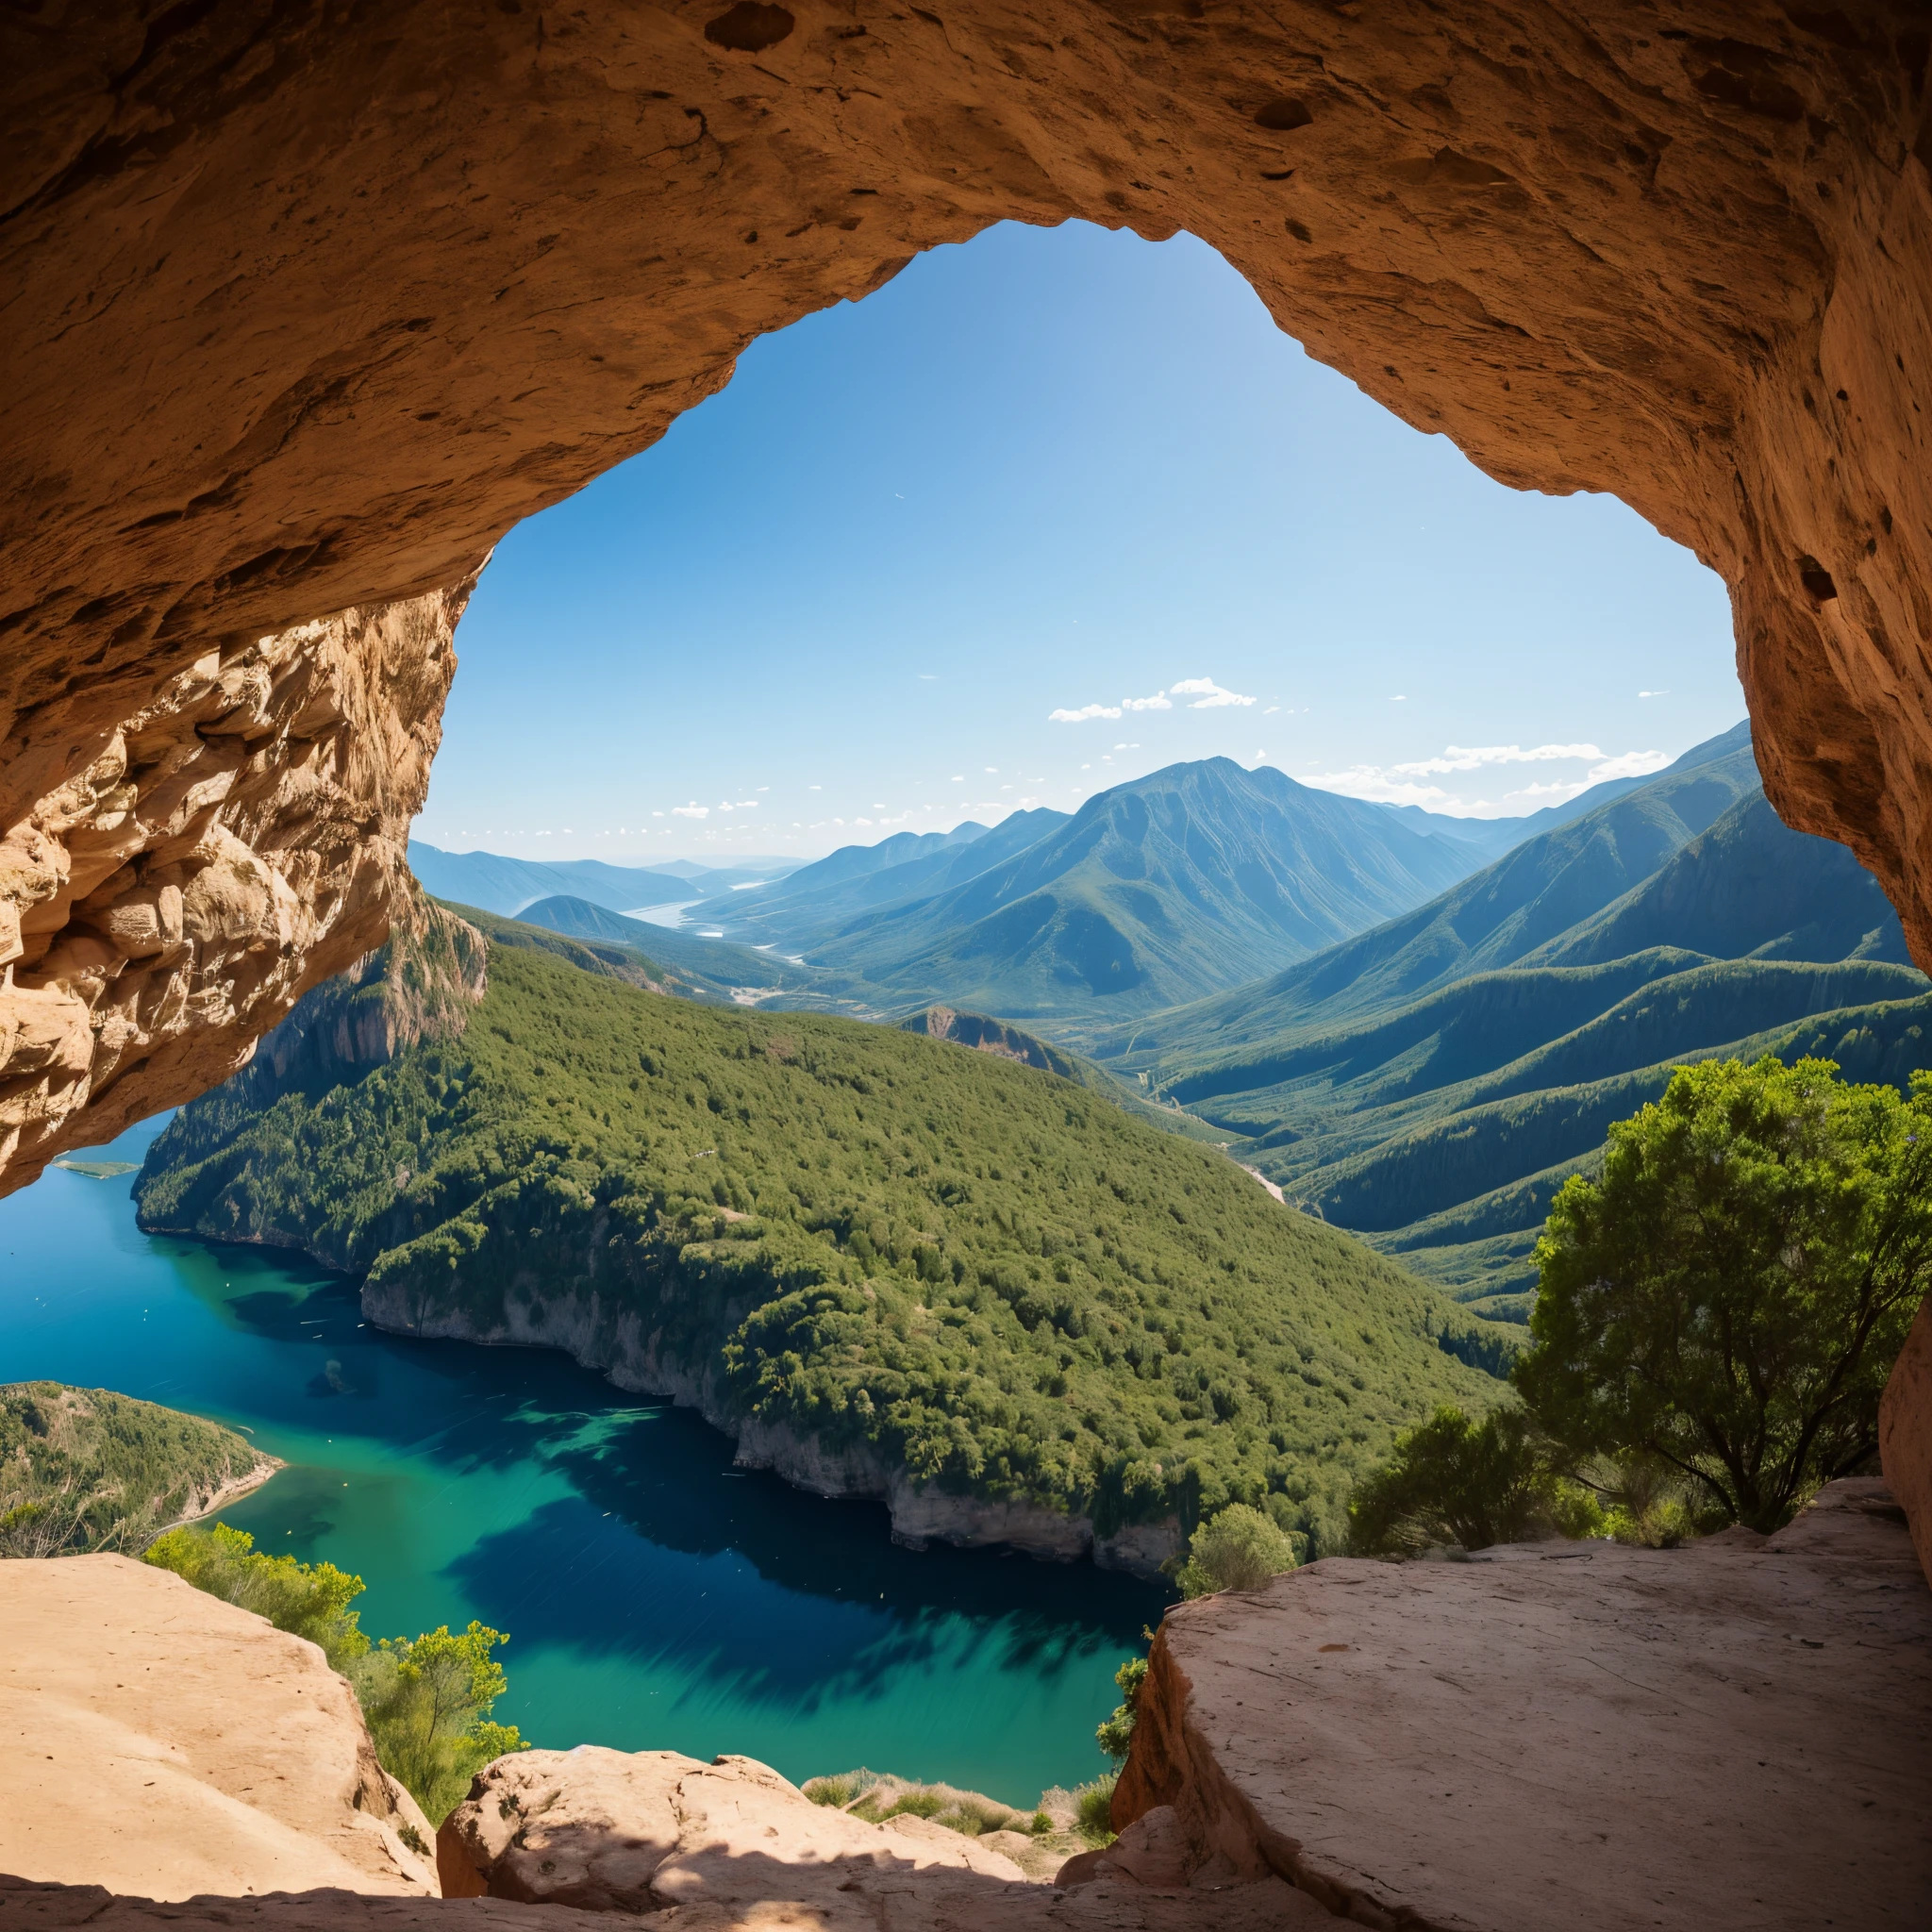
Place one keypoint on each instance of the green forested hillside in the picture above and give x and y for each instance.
(1435, 1105)
(996, 1279)
(84, 1469)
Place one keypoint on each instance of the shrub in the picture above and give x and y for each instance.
(1115, 1733)
(1238, 1548)
(1452, 1481)
(1093, 1809)
(427, 1701)
(1729, 1299)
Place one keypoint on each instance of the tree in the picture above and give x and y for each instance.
(1451, 1480)
(1115, 1733)
(1238, 1548)
(427, 1701)
(1730, 1296)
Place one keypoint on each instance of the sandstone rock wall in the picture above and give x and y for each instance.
(161, 1741)
(1572, 1735)
(306, 306)
(205, 856)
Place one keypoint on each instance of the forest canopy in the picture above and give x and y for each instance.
(994, 1279)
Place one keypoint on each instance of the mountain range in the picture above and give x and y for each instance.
(506, 886)
(1198, 877)
(1431, 1083)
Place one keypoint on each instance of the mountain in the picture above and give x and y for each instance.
(506, 886)
(817, 901)
(1431, 1085)
(880, 1260)
(1489, 920)
(1197, 876)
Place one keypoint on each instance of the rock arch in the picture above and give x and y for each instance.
(305, 304)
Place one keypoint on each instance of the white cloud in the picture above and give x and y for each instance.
(747, 805)
(1158, 702)
(1653, 694)
(1460, 757)
(1082, 716)
(1632, 764)
(958, 778)
(1270, 710)
(814, 788)
(1207, 696)
(656, 814)
(1371, 782)
(692, 810)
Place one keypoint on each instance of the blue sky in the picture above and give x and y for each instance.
(1051, 509)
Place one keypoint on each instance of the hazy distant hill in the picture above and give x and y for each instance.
(1431, 1084)
(710, 969)
(504, 886)
(1196, 877)
(1490, 839)
(818, 901)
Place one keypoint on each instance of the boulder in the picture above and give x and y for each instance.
(161, 1741)
(1730, 1735)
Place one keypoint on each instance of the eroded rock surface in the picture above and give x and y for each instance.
(1730, 1735)
(731, 1844)
(1904, 1432)
(225, 845)
(304, 309)
(159, 1741)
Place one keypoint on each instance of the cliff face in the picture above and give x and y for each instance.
(614, 1341)
(224, 844)
(306, 308)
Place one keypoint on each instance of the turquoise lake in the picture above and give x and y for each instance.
(654, 1597)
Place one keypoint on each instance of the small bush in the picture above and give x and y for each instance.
(1115, 1733)
(427, 1701)
(840, 1789)
(1093, 1809)
(1238, 1549)
(1451, 1480)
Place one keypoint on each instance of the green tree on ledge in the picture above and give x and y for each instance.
(1730, 1296)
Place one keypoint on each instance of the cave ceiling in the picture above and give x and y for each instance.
(306, 304)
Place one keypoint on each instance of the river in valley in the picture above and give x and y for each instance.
(654, 1597)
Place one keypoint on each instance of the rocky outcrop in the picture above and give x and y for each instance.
(306, 311)
(163, 1742)
(420, 984)
(638, 1831)
(732, 1844)
(1904, 1432)
(984, 1035)
(199, 859)
(1571, 1734)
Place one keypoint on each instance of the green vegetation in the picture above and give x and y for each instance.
(1717, 1317)
(85, 1469)
(1729, 1298)
(995, 1280)
(427, 1700)
(1093, 1808)
(1115, 1733)
(310, 1600)
(1237, 1548)
(1452, 1481)
(1431, 1085)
